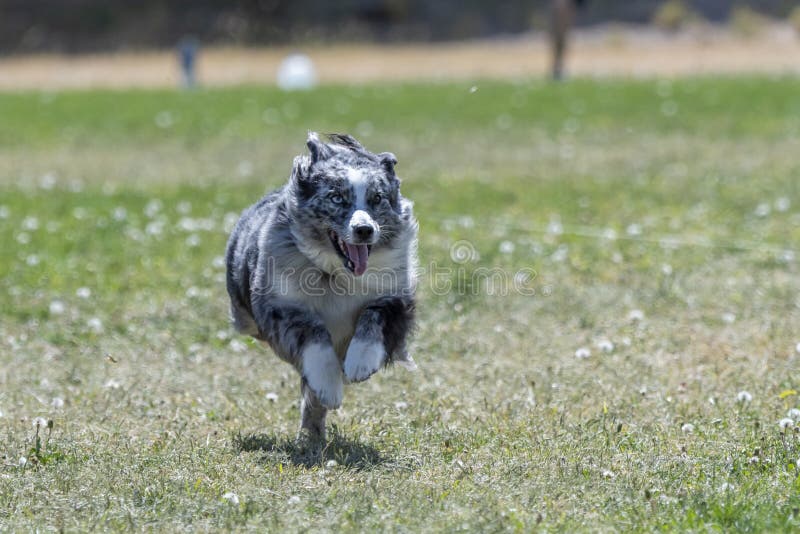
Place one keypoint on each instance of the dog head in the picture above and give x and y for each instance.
(346, 203)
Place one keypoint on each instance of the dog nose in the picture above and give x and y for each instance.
(363, 231)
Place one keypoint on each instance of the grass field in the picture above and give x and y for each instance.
(639, 388)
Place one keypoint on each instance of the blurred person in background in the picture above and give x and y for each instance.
(563, 15)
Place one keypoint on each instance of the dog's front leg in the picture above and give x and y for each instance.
(380, 334)
(299, 336)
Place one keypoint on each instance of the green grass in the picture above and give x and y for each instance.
(662, 216)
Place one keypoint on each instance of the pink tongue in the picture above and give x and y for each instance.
(358, 255)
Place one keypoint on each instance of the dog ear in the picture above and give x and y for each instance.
(301, 177)
(388, 160)
(319, 150)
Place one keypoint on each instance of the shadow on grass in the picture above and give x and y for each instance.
(346, 451)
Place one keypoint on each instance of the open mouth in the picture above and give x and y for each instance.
(354, 256)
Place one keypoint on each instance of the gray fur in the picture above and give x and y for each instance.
(293, 286)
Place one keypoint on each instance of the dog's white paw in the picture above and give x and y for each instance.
(323, 373)
(363, 359)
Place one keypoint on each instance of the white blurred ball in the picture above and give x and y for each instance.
(297, 72)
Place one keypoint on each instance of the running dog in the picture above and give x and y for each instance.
(323, 270)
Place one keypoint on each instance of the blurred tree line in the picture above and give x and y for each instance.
(102, 25)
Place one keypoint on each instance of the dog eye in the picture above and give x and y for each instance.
(376, 199)
(336, 198)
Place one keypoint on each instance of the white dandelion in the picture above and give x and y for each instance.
(39, 422)
(605, 345)
(744, 397)
(294, 499)
(112, 384)
(583, 353)
(57, 307)
(785, 423)
(687, 428)
(794, 414)
(634, 230)
(636, 315)
(22, 461)
(83, 292)
(507, 247)
(762, 210)
(331, 463)
(272, 396)
(57, 403)
(231, 498)
(30, 223)
(95, 325)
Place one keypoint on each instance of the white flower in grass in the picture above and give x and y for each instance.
(57, 307)
(605, 345)
(687, 428)
(634, 230)
(30, 223)
(218, 262)
(507, 247)
(272, 396)
(726, 486)
(152, 208)
(237, 346)
(112, 384)
(636, 315)
(783, 204)
(294, 499)
(4, 212)
(193, 241)
(83, 292)
(32, 260)
(95, 325)
(728, 318)
(744, 397)
(119, 213)
(786, 423)
(22, 461)
(607, 473)
(231, 498)
(401, 405)
(794, 414)
(57, 402)
(331, 463)
(797, 348)
(762, 210)
(39, 422)
(583, 353)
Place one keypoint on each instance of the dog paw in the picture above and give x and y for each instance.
(323, 373)
(363, 359)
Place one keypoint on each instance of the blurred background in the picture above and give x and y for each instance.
(362, 40)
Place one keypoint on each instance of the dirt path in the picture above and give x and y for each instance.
(610, 51)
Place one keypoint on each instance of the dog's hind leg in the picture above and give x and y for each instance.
(312, 414)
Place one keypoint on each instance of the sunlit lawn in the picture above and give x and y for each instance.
(624, 364)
